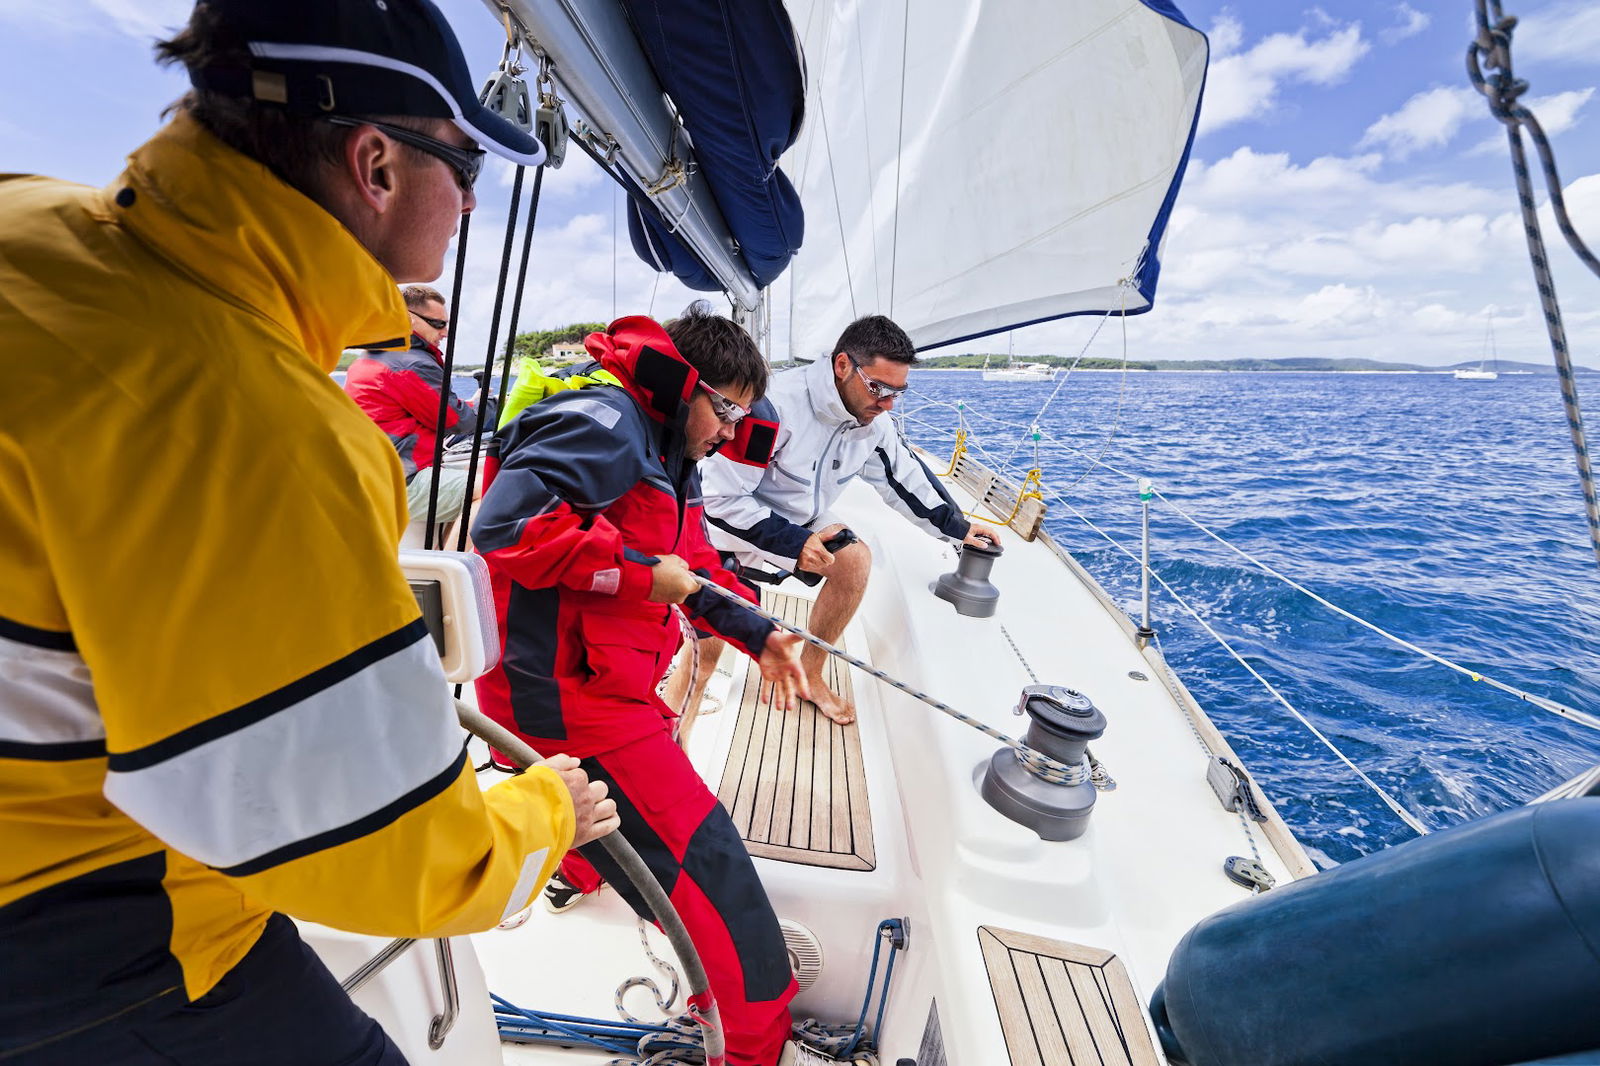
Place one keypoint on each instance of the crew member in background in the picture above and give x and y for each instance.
(399, 390)
(218, 702)
(775, 521)
(591, 527)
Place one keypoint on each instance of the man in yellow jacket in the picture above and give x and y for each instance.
(218, 703)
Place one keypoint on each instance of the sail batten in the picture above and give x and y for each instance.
(1017, 166)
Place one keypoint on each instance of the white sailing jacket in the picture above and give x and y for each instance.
(764, 513)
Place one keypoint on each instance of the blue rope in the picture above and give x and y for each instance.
(522, 1025)
(641, 1041)
(891, 930)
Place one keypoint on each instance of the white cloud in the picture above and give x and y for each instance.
(1269, 184)
(1338, 258)
(1226, 35)
(1409, 22)
(142, 19)
(1245, 85)
(1568, 31)
(1429, 119)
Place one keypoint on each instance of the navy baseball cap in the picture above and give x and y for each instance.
(359, 57)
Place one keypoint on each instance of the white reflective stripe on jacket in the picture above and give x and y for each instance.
(820, 449)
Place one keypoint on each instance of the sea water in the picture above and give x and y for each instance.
(1446, 512)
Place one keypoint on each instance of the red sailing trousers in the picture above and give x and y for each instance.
(691, 845)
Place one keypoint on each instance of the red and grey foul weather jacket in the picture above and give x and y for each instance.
(400, 391)
(590, 487)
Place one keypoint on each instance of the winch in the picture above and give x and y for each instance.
(1062, 722)
(967, 586)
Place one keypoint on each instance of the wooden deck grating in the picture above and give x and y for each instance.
(794, 781)
(1064, 1004)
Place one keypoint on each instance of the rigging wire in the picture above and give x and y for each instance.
(1389, 801)
(1544, 703)
(444, 392)
(838, 212)
(488, 356)
(899, 152)
(1570, 713)
(1502, 89)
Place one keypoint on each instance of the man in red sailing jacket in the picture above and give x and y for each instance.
(591, 527)
(400, 390)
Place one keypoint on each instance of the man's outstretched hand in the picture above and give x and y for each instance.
(780, 665)
(594, 813)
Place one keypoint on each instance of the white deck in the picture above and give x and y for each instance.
(1149, 866)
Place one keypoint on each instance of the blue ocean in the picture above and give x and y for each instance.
(1446, 512)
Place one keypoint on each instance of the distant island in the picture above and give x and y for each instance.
(976, 361)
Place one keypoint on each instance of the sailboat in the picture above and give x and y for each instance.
(1486, 366)
(1013, 371)
(943, 898)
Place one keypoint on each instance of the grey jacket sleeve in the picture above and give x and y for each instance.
(734, 509)
(909, 487)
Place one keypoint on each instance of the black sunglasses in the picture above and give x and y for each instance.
(436, 323)
(466, 162)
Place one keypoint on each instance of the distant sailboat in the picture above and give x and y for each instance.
(1013, 371)
(1486, 364)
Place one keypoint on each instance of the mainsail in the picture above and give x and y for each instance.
(971, 167)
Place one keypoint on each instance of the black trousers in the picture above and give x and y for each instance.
(278, 1007)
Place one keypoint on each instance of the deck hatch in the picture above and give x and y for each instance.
(794, 781)
(1064, 1004)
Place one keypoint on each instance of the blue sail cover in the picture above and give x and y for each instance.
(734, 72)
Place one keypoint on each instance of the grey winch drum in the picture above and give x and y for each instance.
(1063, 721)
(967, 586)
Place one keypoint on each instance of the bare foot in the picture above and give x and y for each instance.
(830, 704)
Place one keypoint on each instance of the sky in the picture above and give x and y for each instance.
(1348, 194)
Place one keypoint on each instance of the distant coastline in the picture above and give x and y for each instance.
(1507, 368)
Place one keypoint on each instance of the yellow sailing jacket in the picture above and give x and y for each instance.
(216, 694)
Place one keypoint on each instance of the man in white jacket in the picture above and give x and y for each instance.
(775, 521)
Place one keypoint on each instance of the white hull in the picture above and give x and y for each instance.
(1476, 375)
(1020, 374)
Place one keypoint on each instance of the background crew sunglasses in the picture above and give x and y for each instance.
(436, 323)
(466, 162)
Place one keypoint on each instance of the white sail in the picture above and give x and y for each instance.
(928, 128)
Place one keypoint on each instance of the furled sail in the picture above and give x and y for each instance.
(970, 167)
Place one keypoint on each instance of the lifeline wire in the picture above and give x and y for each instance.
(1544, 703)
(1038, 763)
(1502, 89)
(1388, 800)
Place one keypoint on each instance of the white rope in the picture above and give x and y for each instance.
(1388, 800)
(1544, 703)
(1570, 713)
(1123, 287)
